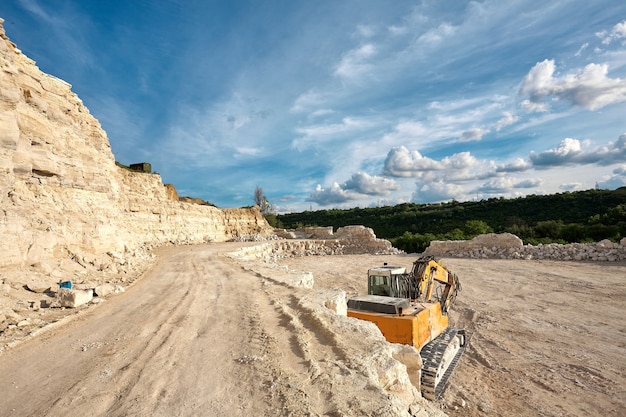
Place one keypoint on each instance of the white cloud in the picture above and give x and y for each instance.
(436, 35)
(322, 112)
(33, 7)
(323, 132)
(366, 184)
(347, 124)
(506, 184)
(507, 119)
(459, 161)
(247, 151)
(401, 162)
(357, 187)
(566, 152)
(571, 151)
(534, 107)
(473, 134)
(582, 48)
(365, 31)
(437, 191)
(617, 32)
(571, 186)
(354, 63)
(68, 27)
(333, 195)
(307, 101)
(519, 165)
(407, 131)
(590, 88)
(617, 180)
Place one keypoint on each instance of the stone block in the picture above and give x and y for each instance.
(73, 298)
(336, 302)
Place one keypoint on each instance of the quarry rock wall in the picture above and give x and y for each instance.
(61, 192)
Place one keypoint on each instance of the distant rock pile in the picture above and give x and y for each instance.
(348, 240)
(509, 246)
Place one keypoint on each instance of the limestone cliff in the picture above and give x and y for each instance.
(60, 190)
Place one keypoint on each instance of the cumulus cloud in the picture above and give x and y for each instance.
(459, 161)
(591, 88)
(568, 151)
(519, 165)
(358, 186)
(437, 191)
(473, 134)
(333, 195)
(370, 185)
(401, 162)
(572, 151)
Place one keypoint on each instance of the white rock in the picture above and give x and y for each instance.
(73, 298)
(104, 289)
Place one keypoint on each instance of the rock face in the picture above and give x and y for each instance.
(61, 193)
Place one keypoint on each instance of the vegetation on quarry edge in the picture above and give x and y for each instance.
(582, 216)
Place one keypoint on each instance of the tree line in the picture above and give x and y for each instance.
(582, 216)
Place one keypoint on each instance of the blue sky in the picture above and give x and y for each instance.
(338, 104)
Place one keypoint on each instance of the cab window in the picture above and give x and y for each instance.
(379, 285)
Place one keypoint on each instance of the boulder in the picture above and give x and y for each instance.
(73, 298)
(104, 290)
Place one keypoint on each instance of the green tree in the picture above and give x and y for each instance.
(476, 227)
(549, 228)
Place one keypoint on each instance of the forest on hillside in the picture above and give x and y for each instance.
(582, 216)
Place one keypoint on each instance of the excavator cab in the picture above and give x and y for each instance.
(385, 280)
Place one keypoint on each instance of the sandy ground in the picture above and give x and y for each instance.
(546, 338)
(201, 335)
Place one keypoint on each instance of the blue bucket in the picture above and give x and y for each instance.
(66, 284)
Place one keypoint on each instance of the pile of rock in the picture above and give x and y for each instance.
(349, 240)
(508, 246)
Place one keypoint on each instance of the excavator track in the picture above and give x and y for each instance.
(439, 359)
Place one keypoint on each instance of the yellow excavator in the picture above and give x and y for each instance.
(412, 309)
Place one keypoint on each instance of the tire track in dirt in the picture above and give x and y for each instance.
(176, 343)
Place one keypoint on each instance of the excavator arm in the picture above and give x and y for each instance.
(435, 282)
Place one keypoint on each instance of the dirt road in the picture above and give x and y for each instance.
(198, 335)
(202, 335)
(195, 336)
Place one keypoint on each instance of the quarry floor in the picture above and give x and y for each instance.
(198, 334)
